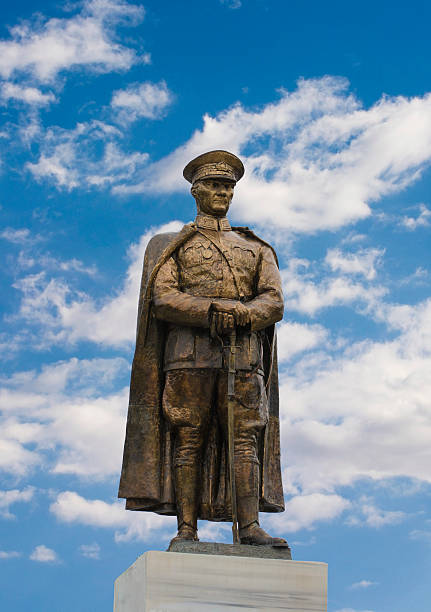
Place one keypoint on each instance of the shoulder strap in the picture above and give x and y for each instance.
(248, 232)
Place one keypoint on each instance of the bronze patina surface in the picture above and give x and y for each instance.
(200, 288)
(231, 550)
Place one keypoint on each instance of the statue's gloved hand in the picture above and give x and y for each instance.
(235, 308)
(221, 324)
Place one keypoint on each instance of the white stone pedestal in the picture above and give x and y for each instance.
(182, 582)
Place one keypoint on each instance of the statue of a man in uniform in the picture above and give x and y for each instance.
(208, 292)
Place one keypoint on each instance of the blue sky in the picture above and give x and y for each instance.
(102, 104)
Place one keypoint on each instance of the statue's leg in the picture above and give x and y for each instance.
(186, 405)
(251, 416)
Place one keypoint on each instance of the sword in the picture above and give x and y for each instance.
(230, 431)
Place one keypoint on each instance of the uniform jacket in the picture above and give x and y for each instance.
(147, 474)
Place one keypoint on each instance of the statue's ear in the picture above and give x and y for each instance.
(195, 190)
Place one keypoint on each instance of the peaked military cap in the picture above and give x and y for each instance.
(214, 164)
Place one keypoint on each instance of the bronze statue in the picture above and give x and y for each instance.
(202, 437)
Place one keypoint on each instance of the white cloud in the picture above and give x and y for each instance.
(46, 47)
(294, 338)
(303, 511)
(28, 95)
(315, 158)
(306, 293)
(419, 277)
(30, 256)
(69, 316)
(353, 238)
(363, 262)
(27, 260)
(13, 496)
(215, 531)
(70, 507)
(422, 220)
(9, 554)
(148, 100)
(17, 236)
(375, 517)
(69, 416)
(363, 584)
(363, 413)
(90, 551)
(43, 554)
(70, 158)
(14, 457)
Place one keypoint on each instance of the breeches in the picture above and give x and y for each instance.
(191, 395)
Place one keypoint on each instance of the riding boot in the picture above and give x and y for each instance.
(247, 486)
(247, 492)
(186, 491)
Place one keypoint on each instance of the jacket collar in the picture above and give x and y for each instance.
(212, 223)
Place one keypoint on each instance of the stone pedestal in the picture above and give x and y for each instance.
(184, 582)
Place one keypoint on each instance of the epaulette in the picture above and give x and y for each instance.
(243, 229)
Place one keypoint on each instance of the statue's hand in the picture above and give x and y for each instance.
(236, 309)
(222, 323)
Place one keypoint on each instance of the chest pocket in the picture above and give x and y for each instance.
(244, 257)
(198, 254)
(202, 263)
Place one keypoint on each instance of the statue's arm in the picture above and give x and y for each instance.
(267, 306)
(173, 305)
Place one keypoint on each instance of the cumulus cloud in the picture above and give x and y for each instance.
(9, 554)
(362, 262)
(28, 95)
(66, 417)
(362, 413)
(13, 496)
(68, 315)
(70, 507)
(423, 219)
(43, 48)
(141, 100)
(43, 554)
(294, 338)
(307, 290)
(70, 158)
(304, 511)
(316, 158)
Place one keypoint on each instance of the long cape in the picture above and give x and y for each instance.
(147, 475)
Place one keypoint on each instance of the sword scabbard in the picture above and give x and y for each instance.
(230, 428)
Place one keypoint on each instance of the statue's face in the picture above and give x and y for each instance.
(213, 196)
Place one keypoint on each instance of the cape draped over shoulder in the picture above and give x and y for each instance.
(147, 480)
